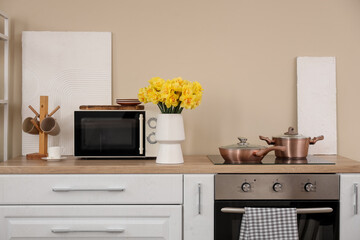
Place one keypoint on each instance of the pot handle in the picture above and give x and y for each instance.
(315, 139)
(268, 140)
(263, 152)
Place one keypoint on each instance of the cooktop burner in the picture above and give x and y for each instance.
(271, 160)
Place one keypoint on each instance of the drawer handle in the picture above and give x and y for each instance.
(73, 189)
(68, 230)
(199, 199)
(356, 198)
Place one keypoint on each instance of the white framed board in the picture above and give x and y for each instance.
(73, 69)
(316, 95)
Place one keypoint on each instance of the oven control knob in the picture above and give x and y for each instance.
(277, 187)
(246, 187)
(309, 187)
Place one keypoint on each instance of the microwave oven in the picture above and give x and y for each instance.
(115, 134)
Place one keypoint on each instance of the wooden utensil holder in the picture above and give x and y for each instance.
(43, 137)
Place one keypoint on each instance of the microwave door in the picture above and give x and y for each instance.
(111, 136)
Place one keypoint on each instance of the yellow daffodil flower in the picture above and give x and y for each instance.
(157, 83)
(172, 95)
(142, 95)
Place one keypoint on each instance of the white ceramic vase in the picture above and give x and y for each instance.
(169, 134)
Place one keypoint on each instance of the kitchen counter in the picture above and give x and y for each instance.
(193, 164)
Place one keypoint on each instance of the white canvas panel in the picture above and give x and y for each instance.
(316, 95)
(73, 69)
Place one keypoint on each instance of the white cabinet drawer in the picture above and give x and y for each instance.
(91, 189)
(95, 222)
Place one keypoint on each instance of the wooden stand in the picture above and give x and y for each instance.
(43, 137)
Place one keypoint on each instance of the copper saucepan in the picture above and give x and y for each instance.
(297, 146)
(243, 152)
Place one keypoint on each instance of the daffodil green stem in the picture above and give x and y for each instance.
(171, 109)
(161, 107)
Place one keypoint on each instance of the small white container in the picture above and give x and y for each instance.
(54, 152)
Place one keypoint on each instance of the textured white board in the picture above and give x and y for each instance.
(316, 95)
(73, 69)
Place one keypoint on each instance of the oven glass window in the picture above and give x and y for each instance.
(321, 226)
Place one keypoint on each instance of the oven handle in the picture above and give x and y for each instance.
(298, 210)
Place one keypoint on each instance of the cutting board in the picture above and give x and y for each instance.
(111, 107)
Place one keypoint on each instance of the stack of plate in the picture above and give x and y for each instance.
(128, 102)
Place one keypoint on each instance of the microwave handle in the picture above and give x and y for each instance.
(141, 133)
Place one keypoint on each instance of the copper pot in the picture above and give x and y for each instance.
(297, 146)
(243, 152)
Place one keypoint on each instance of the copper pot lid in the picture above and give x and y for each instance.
(243, 145)
(291, 133)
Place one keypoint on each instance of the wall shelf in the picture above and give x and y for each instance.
(4, 37)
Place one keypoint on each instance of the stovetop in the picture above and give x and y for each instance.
(272, 160)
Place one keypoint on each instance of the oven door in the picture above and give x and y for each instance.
(109, 133)
(318, 226)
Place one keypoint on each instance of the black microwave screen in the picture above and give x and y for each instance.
(108, 133)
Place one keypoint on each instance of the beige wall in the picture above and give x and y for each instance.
(242, 52)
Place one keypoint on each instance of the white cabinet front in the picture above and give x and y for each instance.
(91, 189)
(96, 222)
(349, 207)
(198, 206)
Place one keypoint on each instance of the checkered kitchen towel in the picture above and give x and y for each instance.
(269, 224)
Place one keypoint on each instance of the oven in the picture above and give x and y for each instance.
(315, 196)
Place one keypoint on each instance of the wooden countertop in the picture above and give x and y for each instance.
(193, 164)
